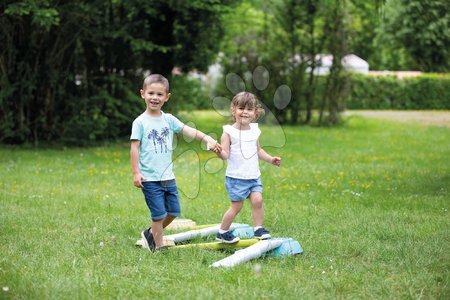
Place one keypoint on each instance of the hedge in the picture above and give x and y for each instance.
(428, 91)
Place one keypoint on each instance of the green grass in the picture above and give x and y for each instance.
(368, 202)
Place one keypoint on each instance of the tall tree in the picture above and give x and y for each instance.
(336, 43)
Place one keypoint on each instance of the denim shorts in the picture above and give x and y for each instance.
(161, 198)
(240, 189)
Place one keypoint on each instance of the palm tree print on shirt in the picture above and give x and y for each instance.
(161, 138)
(164, 135)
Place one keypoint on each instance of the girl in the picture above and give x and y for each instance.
(241, 149)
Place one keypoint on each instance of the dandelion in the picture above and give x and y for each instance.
(5, 289)
(257, 268)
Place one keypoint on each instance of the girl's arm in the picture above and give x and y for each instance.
(134, 154)
(263, 155)
(193, 133)
(225, 142)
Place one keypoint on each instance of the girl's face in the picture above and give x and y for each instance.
(155, 95)
(244, 115)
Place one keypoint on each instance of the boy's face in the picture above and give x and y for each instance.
(155, 95)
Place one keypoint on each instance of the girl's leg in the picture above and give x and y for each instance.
(230, 214)
(257, 208)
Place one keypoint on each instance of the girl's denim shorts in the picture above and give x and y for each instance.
(161, 198)
(240, 189)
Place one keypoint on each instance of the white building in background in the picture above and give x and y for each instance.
(355, 64)
(350, 62)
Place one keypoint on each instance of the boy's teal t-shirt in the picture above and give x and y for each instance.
(155, 152)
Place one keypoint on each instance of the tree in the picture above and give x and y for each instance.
(421, 28)
(288, 43)
(365, 19)
(336, 42)
(298, 21)
(71, 70)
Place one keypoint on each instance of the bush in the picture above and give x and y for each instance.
(187, 94)
(429, 91)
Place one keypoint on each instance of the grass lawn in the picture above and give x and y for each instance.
(368, 202)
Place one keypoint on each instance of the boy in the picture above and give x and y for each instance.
(151, 158)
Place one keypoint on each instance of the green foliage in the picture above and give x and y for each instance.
(336, 86)
(365, 19)
(70, 70)
(368, 202)
(413, 35)
(430, 91)
(41, 14)
(286, 38)
(187, 94)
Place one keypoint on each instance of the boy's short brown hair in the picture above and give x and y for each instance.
(156, 78)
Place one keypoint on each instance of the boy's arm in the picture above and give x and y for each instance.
(225, 143)
(134, 154)
(193, 133)
(263, 155)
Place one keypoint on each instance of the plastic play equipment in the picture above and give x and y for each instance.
(219, 245)
(249, 247)
(254, 251)
(241, 230)
(271, 247)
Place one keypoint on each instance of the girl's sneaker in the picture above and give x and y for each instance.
(227, 237)
(262, 234)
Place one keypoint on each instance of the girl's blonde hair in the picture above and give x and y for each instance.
(249, 100)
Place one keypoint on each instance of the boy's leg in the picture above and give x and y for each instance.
(230, 214)
(157, 231)
(165, 222)
(154, 197)
(171, 202)
(172, 207)
(168, 220)
(257, 208)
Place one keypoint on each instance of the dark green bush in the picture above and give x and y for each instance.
(109, 115)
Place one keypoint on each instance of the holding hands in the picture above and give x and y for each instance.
(213, 145)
